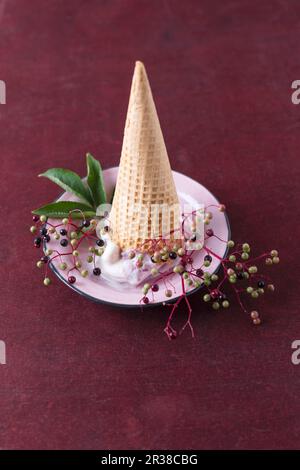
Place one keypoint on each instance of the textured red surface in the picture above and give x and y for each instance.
(81, 375)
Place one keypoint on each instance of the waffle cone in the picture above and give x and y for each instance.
(145, 177)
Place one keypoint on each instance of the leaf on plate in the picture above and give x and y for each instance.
(62, 209)
(69, 181)
(95, 180)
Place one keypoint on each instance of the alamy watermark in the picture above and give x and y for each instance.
(2, 92)
(2, 352)
(295, 358)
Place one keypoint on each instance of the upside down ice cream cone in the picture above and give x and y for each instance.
(145, 180)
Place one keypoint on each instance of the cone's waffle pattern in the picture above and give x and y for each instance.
(145, 178)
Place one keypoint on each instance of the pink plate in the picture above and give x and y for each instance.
(95, 288)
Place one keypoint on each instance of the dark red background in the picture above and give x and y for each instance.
(81, 375)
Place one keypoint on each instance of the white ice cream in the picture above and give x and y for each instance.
(116, 267)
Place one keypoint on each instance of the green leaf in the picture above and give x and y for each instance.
(95, 180)
(69, 181)
(62, 209)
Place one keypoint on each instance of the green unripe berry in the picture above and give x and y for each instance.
(207, 282)
(65, 221)
(78, 264)
(146, 286)
(186, 275)
(75, 253)
(252, 270)
(245, 275)
(131, 254)
(245, 256)
(206, 298)
(246, 247)
(254, 294)
(84, 273)
(73, 235)
(33, 229)
(178, 269)
(47, 281)
(249, 290)
(274, 253)
(214, 277)
(207, 275)
(216, 305)
(230, 244)
(189, 282)
(89, 259)
(63, 266)
(225, 304)
(154, 272)
(100, 252)
(206, 263)
(74, 243)
(276, 260)
(261, 291)
(43, 219)
(40, 264)
(91, 249)
(268, 261)
(232, 258)
(56, 236)
(232, 279)
(197, 283)
(181, 252)
(48, 252)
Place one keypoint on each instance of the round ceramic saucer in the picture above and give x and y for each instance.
(97, 289)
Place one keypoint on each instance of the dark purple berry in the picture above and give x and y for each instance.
(209, 232)
(208, 258)
(222, 297)
(64, 242)
(155, 287)
(240, 275)
(106, 228)
(261, 284)
(145, 300)
(46, 238)
(43, 231)
(193, 238)
(63, 232)
(100, 242)
(37, 242)
(45, 259)
(172, 255)
(97, 271)
(199, 272)
(35, 218)
(72, 279)
(86, 223)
